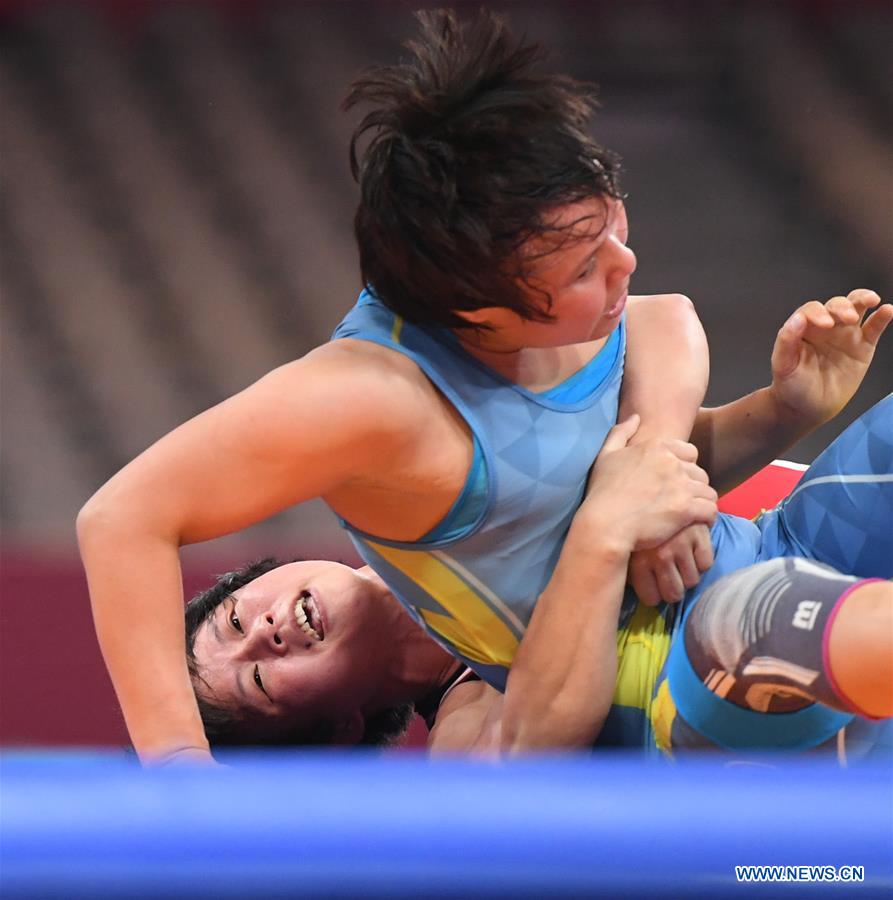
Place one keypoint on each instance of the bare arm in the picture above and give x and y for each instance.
(562, 678)
(665, 380)
(820, 357)
(286, 439)
(736, 440)
(667, 366)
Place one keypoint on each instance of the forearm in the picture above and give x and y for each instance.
(820, 356)
(562, 678)
(137, 600)
(736, 440)
(667, 366)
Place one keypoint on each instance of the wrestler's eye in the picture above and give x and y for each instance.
(257, 679)
(234, 619)
(585, 273)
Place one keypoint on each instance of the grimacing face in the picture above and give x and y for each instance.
(586, 276)
(297, 644)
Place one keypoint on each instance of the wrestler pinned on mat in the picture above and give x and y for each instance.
(452, 422)
(779, 654)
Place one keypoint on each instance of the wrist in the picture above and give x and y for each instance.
(591, 556)
(594, 538)
(786, 419)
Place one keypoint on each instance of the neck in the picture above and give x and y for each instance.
(416, 664)
(533, 368)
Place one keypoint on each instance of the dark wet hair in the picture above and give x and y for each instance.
(470, 144)
(225, 726)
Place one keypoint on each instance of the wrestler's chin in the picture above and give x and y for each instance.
(609, 320)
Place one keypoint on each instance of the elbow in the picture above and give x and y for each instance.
(681, 309)
(681, 303)
(90, 518)
(676, 305)
(95, 523)
(104, 514)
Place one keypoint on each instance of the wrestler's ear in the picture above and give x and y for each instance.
(348, 728)
(475, 316)
(487, 316)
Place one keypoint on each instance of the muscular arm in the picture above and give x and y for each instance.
(667, 366)
(286, 439)
(665, 379)
(562, 679)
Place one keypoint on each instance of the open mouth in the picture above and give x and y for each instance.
(617, 308)
(308, 616)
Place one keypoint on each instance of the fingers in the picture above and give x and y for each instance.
(644, 583)
(682, 450)
(667, 571)
(670, 582)
(876, 324)
(696, 473)
(863, 299)
(703, 552)
(817, 314)
(687, 567)
(786, 352)
(703, 510)
(838, 310)
(621, 434)
(844, 311)
(849, 310)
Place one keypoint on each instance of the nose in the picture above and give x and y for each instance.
(624, 259)
(264, 637)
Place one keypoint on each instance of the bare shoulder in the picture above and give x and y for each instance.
(354, 379)
(375, 371)
(352, 352)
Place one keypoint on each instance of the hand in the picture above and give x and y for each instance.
(665, 572)
(822, 353)
(645, 494)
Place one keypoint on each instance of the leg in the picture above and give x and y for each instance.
(841, 513)
(860, 648)
(778, 656)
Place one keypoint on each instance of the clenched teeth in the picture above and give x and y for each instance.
(301, 617)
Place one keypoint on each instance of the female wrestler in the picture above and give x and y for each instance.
(778, 655)
(465, 396)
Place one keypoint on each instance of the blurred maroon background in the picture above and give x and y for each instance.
(176, 220)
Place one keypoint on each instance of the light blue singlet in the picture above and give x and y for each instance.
(473, 580)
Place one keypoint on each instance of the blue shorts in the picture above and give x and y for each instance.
(840, 514)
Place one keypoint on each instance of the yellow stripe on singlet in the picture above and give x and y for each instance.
(397, 329)
(469, 624)
(642, 648)
(663, 712)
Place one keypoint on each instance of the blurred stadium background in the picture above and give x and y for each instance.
(175, 220)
